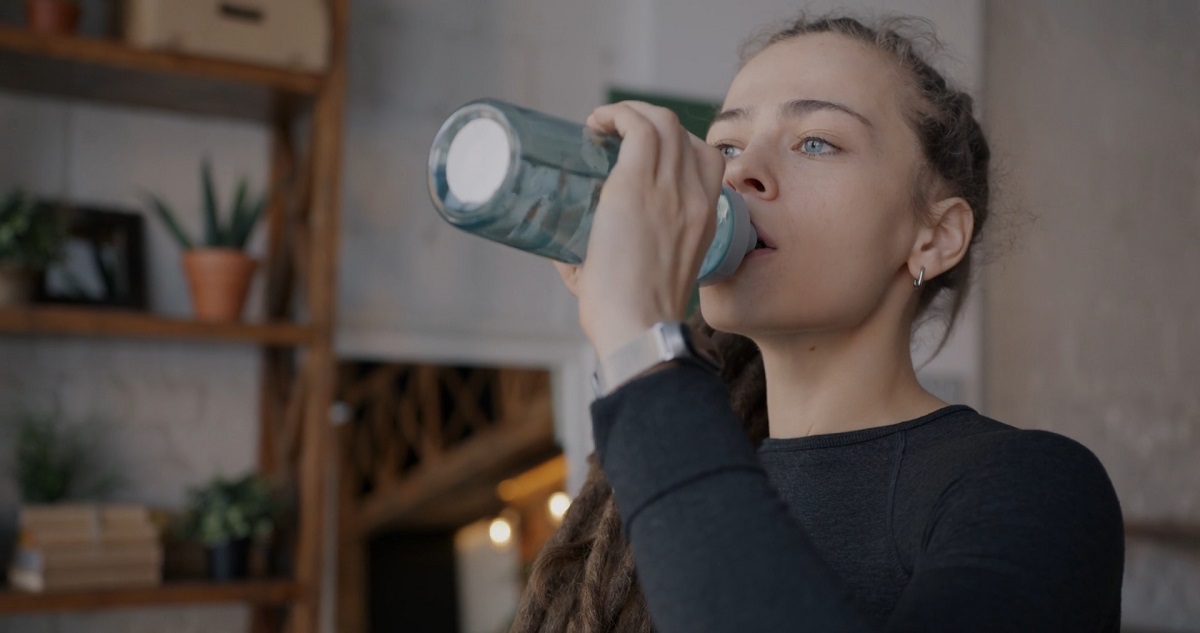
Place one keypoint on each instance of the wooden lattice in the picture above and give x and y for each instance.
(424, 448)
(409, 419)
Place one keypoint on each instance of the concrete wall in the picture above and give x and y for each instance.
(1091, 322)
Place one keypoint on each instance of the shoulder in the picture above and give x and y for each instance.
(1031, 514)
(989, 450)
(991, 471)
(967, 443)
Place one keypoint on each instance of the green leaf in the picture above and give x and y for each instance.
(242, 230)
(239, 202)
(168, 218)
(238, 217)
(55, 463)
(32, 232)
(212, 229)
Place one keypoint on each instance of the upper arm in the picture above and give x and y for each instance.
(1027, 536)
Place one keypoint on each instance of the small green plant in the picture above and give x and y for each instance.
(243, 216)
(54, 463)
(31, 232)
(226, 510)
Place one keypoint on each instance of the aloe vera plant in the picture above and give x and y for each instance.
(242, 218)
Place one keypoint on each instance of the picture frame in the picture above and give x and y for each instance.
(103, 261)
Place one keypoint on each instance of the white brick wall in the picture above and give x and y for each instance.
(174, 414)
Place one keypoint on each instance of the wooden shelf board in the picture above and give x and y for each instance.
(130, 324)
(263, 592)
(113, 72)
(1166, 533)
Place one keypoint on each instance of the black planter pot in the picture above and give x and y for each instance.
(228, 560)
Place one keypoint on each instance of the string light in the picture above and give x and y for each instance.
(500, 531)
(559, 502)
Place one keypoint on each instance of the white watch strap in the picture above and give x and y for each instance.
(665, 341)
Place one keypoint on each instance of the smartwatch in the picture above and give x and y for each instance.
(664, 342)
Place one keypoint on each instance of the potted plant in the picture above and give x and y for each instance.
(52, 16)
(217, 269)
(52, 463)
(31, 238)
(228, 516)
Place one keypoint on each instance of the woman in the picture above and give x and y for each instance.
(814, 485)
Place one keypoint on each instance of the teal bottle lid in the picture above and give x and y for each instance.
(735, 237)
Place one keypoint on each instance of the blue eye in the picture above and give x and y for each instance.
(817, 145)
(728, 151)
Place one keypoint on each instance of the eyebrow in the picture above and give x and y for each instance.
(793, 109)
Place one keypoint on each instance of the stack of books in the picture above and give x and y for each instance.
(78, 546)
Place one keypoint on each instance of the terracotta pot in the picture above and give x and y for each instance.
(52, 16)
(16, 285)
(218, 279)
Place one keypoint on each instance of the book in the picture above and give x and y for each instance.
(62, 514)
(134, 576)
(86, 535)
(97, 557)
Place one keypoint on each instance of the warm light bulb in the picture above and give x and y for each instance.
(559, 502)
(500, 531)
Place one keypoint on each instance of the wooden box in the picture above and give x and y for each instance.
(292, 34)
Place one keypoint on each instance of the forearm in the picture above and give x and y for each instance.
(716, 549)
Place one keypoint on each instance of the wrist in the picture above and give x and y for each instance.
(651, 350)
(612, 334)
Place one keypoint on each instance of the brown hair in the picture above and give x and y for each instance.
(584, 580)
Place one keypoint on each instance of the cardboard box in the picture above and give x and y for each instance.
(292, 34)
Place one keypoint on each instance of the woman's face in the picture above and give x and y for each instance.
(815, 139)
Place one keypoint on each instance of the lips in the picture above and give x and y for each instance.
(764, 240)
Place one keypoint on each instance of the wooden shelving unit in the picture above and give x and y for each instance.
(302, 238)
(262, 592)
(111, 72)
(48, 320)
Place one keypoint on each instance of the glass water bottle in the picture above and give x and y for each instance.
(531, 181)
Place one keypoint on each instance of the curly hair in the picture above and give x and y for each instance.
(584, 580)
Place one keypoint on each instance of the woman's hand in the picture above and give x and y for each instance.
(653, 224)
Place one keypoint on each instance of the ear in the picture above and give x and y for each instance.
(943, 241)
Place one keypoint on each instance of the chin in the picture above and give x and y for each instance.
(723, 312)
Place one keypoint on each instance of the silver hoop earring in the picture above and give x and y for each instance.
(920, 278)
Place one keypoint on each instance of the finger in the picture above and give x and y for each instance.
(710, 165)
(570, 276)
(673, 144)
(639, 152)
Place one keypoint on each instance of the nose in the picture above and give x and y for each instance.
(747, 175)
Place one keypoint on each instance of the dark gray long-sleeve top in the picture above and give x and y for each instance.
(949, 522)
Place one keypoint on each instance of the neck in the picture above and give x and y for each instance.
(832, 382)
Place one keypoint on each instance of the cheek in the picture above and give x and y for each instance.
(843, 234)
(845, 215)
(860, 216)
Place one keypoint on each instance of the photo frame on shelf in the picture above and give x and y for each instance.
(103, 261)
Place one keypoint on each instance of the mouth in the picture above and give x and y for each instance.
(764, 241)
